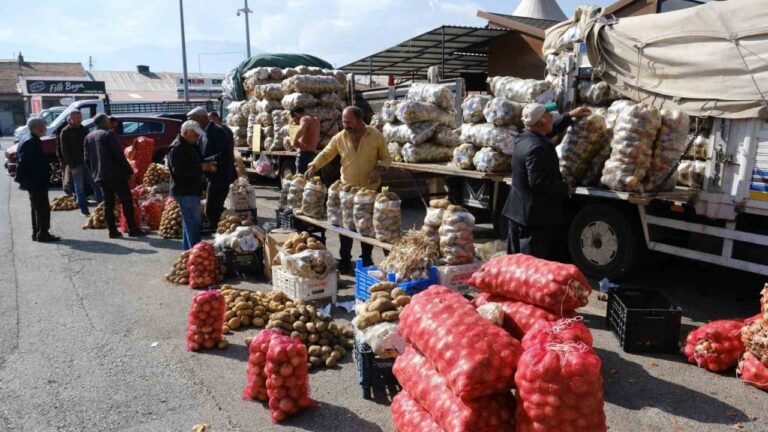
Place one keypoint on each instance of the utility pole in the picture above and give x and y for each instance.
(184, 52)
(90, 63)
(246, 11)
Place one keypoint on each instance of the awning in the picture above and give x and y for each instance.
(458, 49)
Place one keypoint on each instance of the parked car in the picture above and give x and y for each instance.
(162, 130)
(49, 115)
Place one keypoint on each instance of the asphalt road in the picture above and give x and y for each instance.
(79, 319)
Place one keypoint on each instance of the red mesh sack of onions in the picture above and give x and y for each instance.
(409, 416)
(139, 191)
(558, 332)
(476, 357)
(519, 317)
(752, 371)
(715, 346)
(206, 318)
(136, 216)
(201, 266)
(287, 378)
(152, 212)
(494, 413)
(559, 388)
(139, 155)
(551, 285)
(256, 388)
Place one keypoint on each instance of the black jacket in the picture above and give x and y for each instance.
(217, 149)
(184, 161)
(538, 190)
(72, 140)
(230, 136)
(32, 170)
(105, 158)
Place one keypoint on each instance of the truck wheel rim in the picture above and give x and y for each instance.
(599, 243)
(55, 173)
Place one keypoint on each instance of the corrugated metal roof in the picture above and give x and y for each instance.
(127, 81)
(10, 71)
(533, 22)
(540, 9)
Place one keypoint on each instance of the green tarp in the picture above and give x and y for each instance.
(273, 60)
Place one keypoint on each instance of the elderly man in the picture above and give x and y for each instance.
(364, 158)
(307, 138)
(72, 138)
(214, 117)
(33, 174)
(215, 148)
(187, 168)
(534, 206)
(111, 171)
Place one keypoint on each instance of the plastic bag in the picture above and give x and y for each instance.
(378, 122)
(434, 219)
(417, 133)
(692, 173)
(285, 187)
(256, 388)
(389, 111)
(475, 357)
(560, 331)
(310, 263)
(152, 212)
(347, 206)
(559, 388)
(521, 90)
(269, 91)
(431, 391)
(331, 100)
(463, 156)
(585, 140)
(615, 110)
(490, 161)
(668, 148)
(296, 191)
(473, 106)
(715, 346)
(752, 371)
(519, 317)
(426, 152)
(395, 151)
(324, 113)
(313, 199)
(287, 378)
(312, 84)
(410, 112)
(363, 212)
(299, 100)
(383, 338)
(409, 416)
(631, 148)
(487, 135)
(437, 94)
(329, 128)
(551, 285)
(446, 136)
(201, 265)
(456, 240)
(206, 318)
(599, 93)
(503, 112)
(387, 221)
(493, 312)
(699, 149)
(333, 204)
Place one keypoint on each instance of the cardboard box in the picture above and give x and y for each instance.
(456, 277)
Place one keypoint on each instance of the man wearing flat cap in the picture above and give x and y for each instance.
(215, 148)
(534, 206)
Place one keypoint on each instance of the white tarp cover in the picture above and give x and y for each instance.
(708, 60)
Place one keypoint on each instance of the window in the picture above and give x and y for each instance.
(141, 127)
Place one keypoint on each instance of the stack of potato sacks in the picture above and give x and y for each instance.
(691, 171)
(272, 92)
(419, 129)
(450, 226)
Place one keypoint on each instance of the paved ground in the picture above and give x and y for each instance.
(79, 319)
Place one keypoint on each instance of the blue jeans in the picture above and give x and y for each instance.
(190, 220)
(78, 181)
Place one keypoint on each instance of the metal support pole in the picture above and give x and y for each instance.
(370, 71)
(442, 52)
(247, 30)
(184, 52)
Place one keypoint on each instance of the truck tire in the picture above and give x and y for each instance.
(602, 242)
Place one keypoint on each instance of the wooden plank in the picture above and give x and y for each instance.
(279, 153)
(446, 169)
(343, 231)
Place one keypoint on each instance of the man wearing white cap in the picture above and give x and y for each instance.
(534, 206)
(187, 167)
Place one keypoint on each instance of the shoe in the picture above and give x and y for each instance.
(85, 214)
(34, 237)
(136, 233)
(50, 238)
(115, 235)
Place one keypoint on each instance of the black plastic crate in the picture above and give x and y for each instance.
(375, 372)
(244, 263)
(285, 219)
(644, 320)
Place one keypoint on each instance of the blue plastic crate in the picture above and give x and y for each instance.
(364, 282)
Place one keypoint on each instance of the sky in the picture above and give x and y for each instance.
(120, 34)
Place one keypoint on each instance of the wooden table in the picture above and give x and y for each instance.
(445, 169)
(343, 231)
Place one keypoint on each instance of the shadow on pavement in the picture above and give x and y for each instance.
(329, 417)
(161, 243)
(235, 351)
(102, 247)
(651, 392)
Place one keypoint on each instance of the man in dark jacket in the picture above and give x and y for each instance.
(534, 206)
(33, 175)
(187, 168)
(215, 148)
(72, 139)
(216, 118)
(111, 171)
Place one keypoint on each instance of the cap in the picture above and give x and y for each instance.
(193, 126)
(532, 113)
(197, 111)
(551, 107)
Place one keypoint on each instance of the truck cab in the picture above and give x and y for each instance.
(89, 109)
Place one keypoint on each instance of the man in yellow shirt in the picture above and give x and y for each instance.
(364, 158)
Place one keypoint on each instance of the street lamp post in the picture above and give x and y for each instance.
(184, 53)
(246, 11)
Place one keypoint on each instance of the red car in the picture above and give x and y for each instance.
(162, 130)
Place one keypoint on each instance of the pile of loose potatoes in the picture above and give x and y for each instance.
(64, 203)
(386, 302)
(243, 309)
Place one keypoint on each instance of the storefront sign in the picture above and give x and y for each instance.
(64, 87)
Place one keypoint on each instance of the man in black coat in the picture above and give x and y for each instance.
(534, 206)
(215, 148)
(111, 171)
(33, 175)
(215, 117)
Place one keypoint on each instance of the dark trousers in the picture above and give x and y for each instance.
(530, 241)
(214, 203)
(41, 213)
(110, 188)
(302, 161)
(345, 251)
